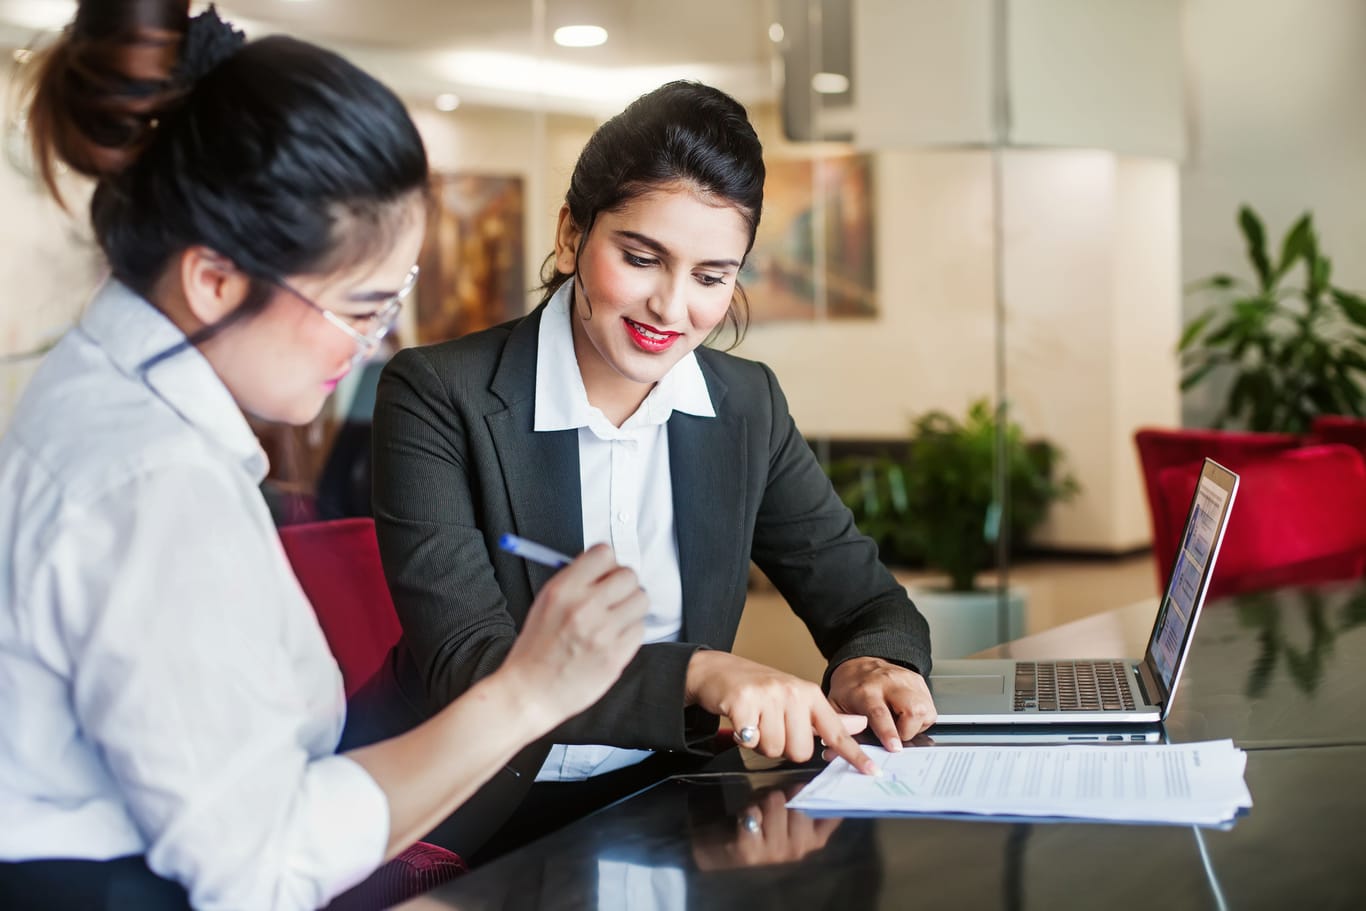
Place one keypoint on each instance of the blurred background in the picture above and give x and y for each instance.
(988, 225)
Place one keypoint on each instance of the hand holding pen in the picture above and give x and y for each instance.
(536, 553)
(585, 625)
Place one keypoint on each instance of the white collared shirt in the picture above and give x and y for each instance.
(627, 493)
(165, 688)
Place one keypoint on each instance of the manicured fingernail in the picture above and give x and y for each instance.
(895, 746)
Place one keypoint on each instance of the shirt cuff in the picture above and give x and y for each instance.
(349, 830)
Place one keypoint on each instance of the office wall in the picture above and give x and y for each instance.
(931, 346)
(1276, 120)
(1081, 74)
(1092, 307)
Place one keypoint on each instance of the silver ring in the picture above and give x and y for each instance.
(750, 824)
(746, 736)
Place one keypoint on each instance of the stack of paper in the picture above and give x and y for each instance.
(1190, 784)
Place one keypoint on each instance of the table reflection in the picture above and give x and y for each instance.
(765, 832)
(697, 842)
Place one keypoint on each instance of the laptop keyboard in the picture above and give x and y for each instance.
(1072, 686)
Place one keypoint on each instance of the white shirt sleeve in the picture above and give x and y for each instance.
(199, 675)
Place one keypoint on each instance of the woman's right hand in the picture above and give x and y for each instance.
(583, 628)
(787, 712)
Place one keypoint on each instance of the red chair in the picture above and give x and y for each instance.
(419, 869)
(1337, 428)
(338, 566)
(1299, 516)
(1159, 450)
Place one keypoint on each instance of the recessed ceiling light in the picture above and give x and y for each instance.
(447, 102)
(776, 33)
(830, 83)
(580, 36)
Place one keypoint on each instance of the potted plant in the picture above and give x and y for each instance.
(940, 505)
(1292, 350)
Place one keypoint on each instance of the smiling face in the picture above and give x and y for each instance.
(653, 280)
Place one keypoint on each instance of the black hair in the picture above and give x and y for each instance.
(682, 132)
(283, 157)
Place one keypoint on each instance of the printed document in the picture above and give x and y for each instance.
(1189, 784)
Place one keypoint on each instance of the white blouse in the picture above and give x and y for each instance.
(165, 688)
(626, 488)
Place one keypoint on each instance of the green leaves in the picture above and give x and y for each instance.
(942, 504)
(1280, 622)
(1352, 306)
(1194, 328)
(1255, 235)
(1288, 351)
(1299, 243)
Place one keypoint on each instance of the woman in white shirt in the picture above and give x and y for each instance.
(164, 686)
(603, 416)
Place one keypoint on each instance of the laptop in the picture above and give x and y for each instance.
(1100, 691)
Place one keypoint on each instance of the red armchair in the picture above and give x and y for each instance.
(1300, 516)
(1162, 449)
(338, 566)
(1337, 428)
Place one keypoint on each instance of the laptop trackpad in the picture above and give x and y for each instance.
(968, 685)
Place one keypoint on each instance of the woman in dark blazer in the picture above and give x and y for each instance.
(600, 416)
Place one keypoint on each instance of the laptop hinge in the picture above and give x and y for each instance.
(1147, 686)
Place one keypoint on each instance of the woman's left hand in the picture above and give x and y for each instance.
(895, 700)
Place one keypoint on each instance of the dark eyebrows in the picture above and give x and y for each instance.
(371, 297)
(663, 251)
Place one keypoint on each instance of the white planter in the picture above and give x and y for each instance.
(965, 622)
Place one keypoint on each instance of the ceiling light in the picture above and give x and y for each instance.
(776, 33)
(447, 102)
(580, 36)
(830, 83)
(522, 79)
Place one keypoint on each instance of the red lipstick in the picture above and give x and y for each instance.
(648, 338)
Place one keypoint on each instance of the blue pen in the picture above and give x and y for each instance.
(536, 553)
(530, 550)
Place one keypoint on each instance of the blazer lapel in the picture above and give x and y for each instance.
(540, 470)
(707, 461)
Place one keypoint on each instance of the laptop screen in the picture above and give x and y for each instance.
(1190, 575)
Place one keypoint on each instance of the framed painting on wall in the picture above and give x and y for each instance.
(814, 253)
(473, 258)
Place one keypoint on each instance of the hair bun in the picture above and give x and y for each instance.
(208, 42)
(120, 67)
(98, 91)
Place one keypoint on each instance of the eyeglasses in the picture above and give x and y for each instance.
(377, 324)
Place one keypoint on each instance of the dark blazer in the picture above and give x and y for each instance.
(457, 464)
